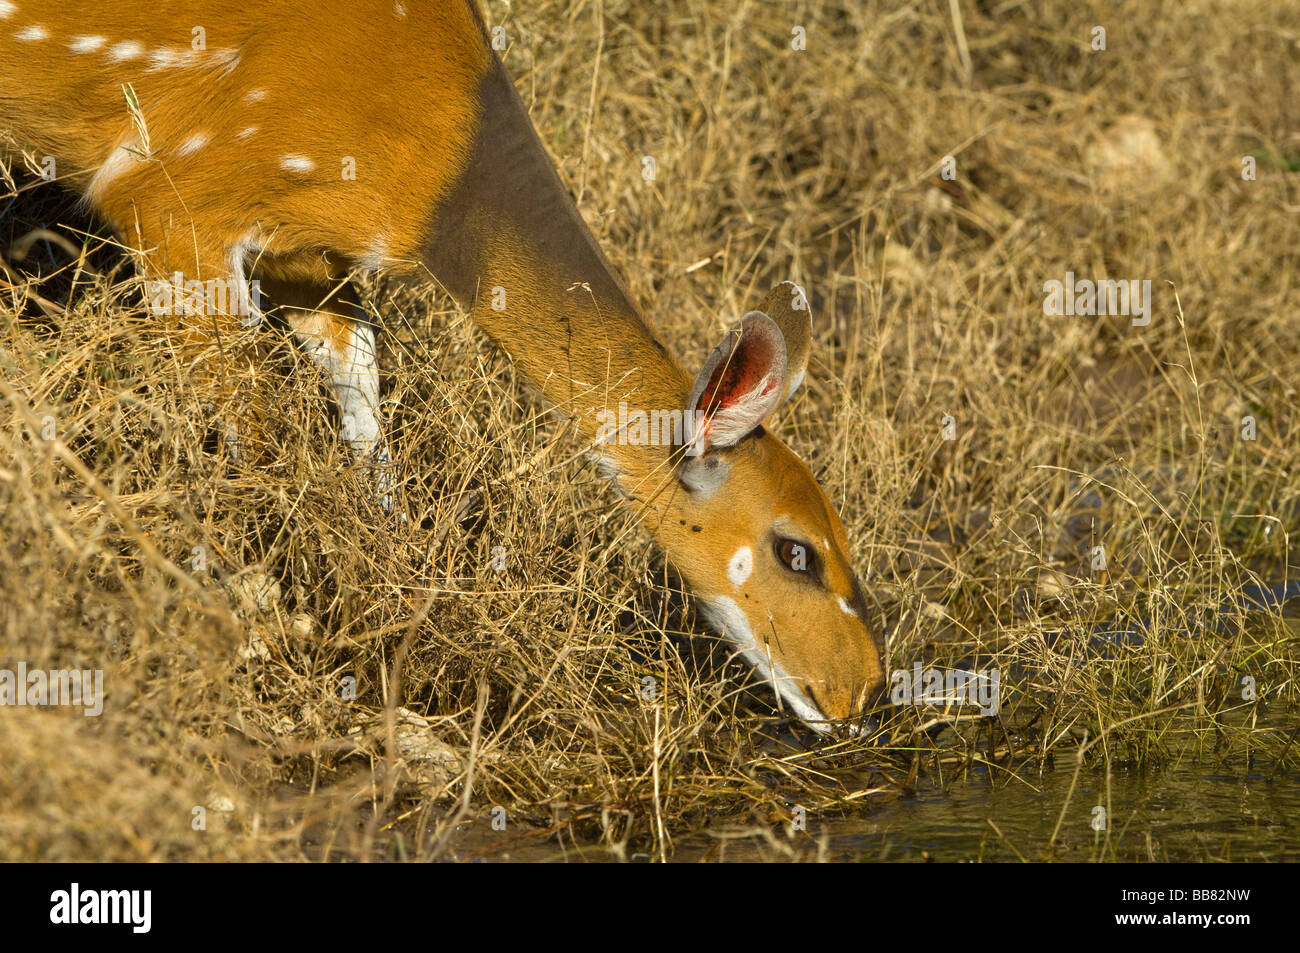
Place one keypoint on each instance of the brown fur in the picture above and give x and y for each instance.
(450, 178)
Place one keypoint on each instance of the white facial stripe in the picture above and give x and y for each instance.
(741, 565)
(725, 616)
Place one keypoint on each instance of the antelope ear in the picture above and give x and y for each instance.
(742, 382)
(787, 305)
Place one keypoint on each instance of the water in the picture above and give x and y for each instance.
(1191, 810)
(1180, 813)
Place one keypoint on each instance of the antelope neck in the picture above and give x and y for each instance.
(510, 246)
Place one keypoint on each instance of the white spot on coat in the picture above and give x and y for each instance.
(7, 9)
(255, 95)
(193, 144)
(741, 565)
(119, 161)
(126, 50)
(86, 44)
(228, 58)
(246, 132)
(165, 59)
(30, 33)
(297, 163)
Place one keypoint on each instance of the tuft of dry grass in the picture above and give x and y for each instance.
(292, 675)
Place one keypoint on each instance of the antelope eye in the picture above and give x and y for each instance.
(794, 555)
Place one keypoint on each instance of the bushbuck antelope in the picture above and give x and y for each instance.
(294, 143)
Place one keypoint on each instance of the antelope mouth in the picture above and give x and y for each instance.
(726, 618)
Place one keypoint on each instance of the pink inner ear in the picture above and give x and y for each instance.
(741, 375)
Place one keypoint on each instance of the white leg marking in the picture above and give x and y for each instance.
(353, 370)
(247, 306)
(356, 387)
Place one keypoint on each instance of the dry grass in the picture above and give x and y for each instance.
(522, 689)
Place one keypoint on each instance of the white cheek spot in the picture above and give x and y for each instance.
(86, 44)
(7, 9)
(246, 132)
(126, 50)
(193, 144)
(741, 565)
(31, 33)
(299, 164)
(255, 95)
(846, 608)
